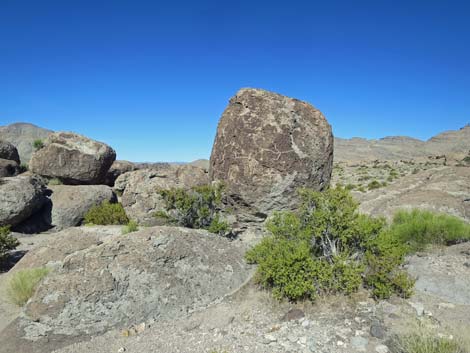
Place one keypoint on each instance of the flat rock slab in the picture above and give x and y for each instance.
(118, 280)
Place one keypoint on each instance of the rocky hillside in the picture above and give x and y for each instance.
(453, 144)
(22, 135)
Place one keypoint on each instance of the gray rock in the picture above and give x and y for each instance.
(293, 314)
(70, 203)
(377, 330)
(118, 168)
(267, 146)
(8, 151)
(157, 273)
(140, 196)
(20, 197)
(73, 158)
(8, 168)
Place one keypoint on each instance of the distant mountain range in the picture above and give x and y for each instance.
(454, 144)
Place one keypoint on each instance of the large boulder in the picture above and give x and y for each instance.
(8, 151)
(118, 168)
(22, 136)
(140, 196)
(20, 198)
(73, 158)
(8, 168)
(156, 274)
(70, 203)
(268, 145)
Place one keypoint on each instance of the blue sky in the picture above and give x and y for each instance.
(151, 78)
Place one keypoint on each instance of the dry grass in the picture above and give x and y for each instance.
(23, 284)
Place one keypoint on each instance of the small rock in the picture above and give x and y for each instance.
(292, 338)
(303, 340)
(293, 314)
(467, 264)
(446, 306)
(312, 344)
(377, 330)
(305, 323)
(360, 343)
(381, 348)
(269, 339)
(121, 350)
(340, 343)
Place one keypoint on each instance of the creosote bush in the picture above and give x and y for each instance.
(198, 207)
(418, 228)
(106, 214)
(7, 242)
(326, 247)
(23, 284)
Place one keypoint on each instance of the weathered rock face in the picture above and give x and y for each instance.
(118, 168)
(8, 151)
(70, 203)
(23, 135)
(140, 196)
(20, 197)
(156, 274)
(8, 168)
(73, 158)
(267, 146)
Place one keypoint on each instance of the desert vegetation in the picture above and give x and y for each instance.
(198, 207)
(38, 144)
(326, 246)
(7, 242)
(106, 214)
(130, 227)
(23, 283)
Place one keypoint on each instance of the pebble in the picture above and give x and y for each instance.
(377, 330)
(269, 338)
(305, 323)
(381, 348)
(121, 350)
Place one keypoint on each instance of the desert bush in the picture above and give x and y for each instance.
(23, 284)
(198, 207)
(7, 242)
(38, 144)
(424, 339)
(105, 214)
(350, 187)
(419, 228)
(466, 160)
(130, 227)
(325, 247)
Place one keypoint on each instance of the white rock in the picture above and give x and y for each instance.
(381, 348)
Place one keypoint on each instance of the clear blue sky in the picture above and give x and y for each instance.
(151, 78)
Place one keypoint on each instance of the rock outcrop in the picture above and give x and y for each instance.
(22, 136)
(70, 203)
(20, 198)
(267, 146)
(140, 196)
(9, 152)
(118, 168)
(156, 274)
(73, 158)
(8, 168)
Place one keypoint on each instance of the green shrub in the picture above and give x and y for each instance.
(55, 181)
(466, 160)
(23, 284)
(374, 185)
(130, 227)
(419, 228)
(38, 144)
(327, 247)
(350, 187)
(7, 242)
(198, 207)
(106, 213)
